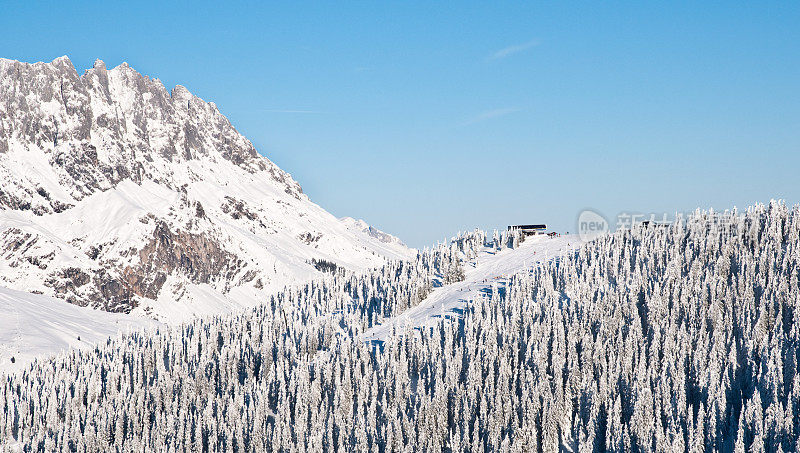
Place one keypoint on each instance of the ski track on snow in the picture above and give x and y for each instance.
(34, 326)
(490, 268)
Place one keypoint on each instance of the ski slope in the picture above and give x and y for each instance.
(33, 326)
(490, 268)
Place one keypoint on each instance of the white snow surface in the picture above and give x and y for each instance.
(387, 244)
(488, 269)
(122, 219)
(33, 326)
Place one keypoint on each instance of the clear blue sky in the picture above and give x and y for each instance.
(426, 119)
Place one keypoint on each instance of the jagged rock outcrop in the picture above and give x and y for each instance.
(119, 194)
(105, 126)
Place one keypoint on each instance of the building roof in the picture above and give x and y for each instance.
(540, 226)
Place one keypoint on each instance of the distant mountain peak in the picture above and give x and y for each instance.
(105, 126)
(117, 193)
(364, 227)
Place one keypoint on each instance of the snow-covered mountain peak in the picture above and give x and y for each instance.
(108, 125)
(119, 194)
(363, 227)
(181, 93)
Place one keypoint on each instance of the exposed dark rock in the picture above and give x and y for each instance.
(76, 276)
(94, 251)
(309, 238)
(195, 256)
(237, 209)
(68, 281)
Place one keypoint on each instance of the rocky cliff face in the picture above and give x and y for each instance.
(102, 127)
(119, 194)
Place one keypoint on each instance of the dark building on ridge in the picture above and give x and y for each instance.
(528, 230)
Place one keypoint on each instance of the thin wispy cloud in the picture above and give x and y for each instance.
(491, 114)
(511, 50)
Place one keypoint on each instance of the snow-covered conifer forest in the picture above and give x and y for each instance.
(659, 338)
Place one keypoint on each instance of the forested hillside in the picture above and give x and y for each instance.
(660, 338)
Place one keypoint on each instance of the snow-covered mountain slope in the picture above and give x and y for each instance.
(488, 271)
(120, 195)
(389, 245)
(33, 326)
